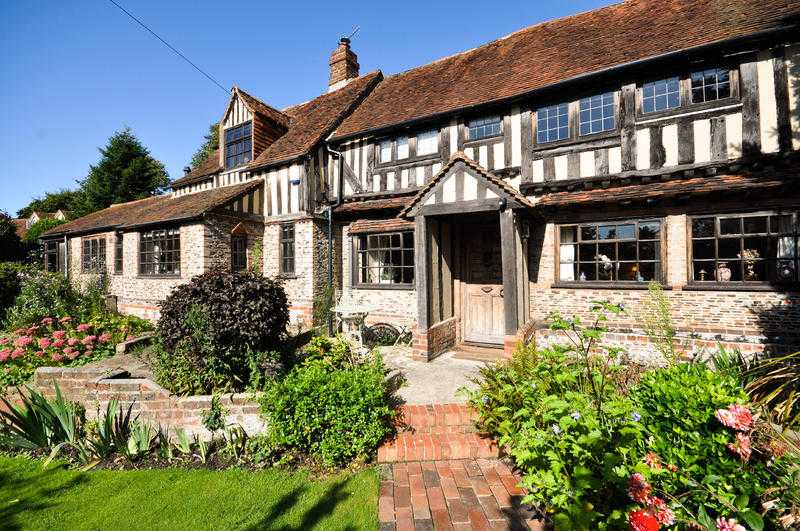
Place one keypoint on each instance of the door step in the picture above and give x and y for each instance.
(467, 351)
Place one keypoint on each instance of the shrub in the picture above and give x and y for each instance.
(10, 285)
(336, 414)
(242, 311)
(774, 382)
(41, 295)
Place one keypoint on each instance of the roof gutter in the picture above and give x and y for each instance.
(571, 80)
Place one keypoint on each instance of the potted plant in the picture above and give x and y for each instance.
(750, 256)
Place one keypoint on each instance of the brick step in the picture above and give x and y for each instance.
(408, 446)
(436, 418)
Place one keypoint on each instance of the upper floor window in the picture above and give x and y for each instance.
(484, 127)
(386, 150)
(385, 259)
(759, 247)
(596, 114)
(118, 253)
(661, 95)
(552, 123)
(93, 255)
(710, 85)
(160, 252)
(238, 145)
(628, 251)
(287, 249)
(402, 147)
(238, 253)
(428, 142)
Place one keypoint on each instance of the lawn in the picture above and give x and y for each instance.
(59, 498)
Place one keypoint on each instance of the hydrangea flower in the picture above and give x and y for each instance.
(741, 446)
(88, 340)
(638, 488)
(32, 330)
(44, 342)
(59, 334)
(72, 341)
(57, 357)
(47, 321)
(4, 354)
(40, 354)
(105, 337)
(23, 341)
(17, 353)
(4, 340)
(64, 320)
(58, 343)
(729, 525)
(83, 327)
(736, 417)
(662, 512)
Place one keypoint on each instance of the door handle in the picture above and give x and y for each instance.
(501, 293)
(486, 289)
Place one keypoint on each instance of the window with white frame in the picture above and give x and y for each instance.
(710, 85)
(386, 150)
(596, 114)
(484, 127)
(402, 147)
(428, 142)
(745, 248)
(552, 123)
(626, 251)
(661, 95)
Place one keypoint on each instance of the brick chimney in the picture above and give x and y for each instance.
(344, 65)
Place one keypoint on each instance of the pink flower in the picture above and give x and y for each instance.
(57, 357)
(105, 337)
(83, 327)
(32, 330)
(88, 340)
(741, 446)
(642, 520)
(737, 417)
(4, 354)
(130, 338)
(72, 341)
(663, 513)
(17, 353)
(652, 460)
(23, 341)
(59, 334)
(47, 321)
(729, 525)
(4, 340)
(65, 320)
(40, 354)
(19, 332)
(45, 342)
(58, 343)
(638, 488)
(74, 354)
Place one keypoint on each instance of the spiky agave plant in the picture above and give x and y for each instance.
(775, 383)
(39, 423)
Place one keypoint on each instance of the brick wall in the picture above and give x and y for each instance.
(438, 339)
(95, 387)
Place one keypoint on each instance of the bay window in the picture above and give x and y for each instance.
(626, 251)
(384, 259)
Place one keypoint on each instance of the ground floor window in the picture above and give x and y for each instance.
(287, 249)
(93, 255)
(620, 251)
(238, 253)
(385, 259)
(51, 258)
(742, 248)
(160, 252)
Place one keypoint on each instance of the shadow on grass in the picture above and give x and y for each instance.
(40, 499)
(333, 496)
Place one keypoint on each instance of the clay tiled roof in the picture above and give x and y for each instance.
(371, 226)
(389, 203)
(559, 50)
(314, 120)
(208, 167)
(729, 184)
(154, 210)
(21, 227)
(258, 106)
(459, 156)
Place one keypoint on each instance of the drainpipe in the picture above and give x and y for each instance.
(340, 159)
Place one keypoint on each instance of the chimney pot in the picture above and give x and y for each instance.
(187, 169)
(344, 65)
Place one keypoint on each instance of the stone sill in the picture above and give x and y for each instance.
(605, 285)
(724, 286)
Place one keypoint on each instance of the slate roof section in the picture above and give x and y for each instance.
(154, 210)
(316, 119)
(456, 157)
(560, 50)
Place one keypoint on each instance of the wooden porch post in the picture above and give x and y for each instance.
(420, 349)
(508, 244)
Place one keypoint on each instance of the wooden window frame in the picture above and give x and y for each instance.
(660, 260)
(686, 103)
(356, 268)
(150, 267)
(485, 118)
(238, 253)
(51, 256)
(287, 250)
(573, 117)
(93, 255)
(742, 285)
(236, 142)
(118, 253)
(412, 157)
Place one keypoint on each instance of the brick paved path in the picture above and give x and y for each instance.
(468, 494)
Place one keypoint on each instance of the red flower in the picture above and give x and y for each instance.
(642, 520)
(663, 513)
(737, 417)
(652, 460)
(638, 488)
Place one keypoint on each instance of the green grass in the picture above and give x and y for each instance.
(59, 498)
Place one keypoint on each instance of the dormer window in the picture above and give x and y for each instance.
(238, 145)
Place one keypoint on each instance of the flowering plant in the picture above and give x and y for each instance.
(61, 342)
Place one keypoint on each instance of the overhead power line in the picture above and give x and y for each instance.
(168, 45)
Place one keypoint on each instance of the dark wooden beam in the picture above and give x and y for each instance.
(751, 119)
(627, 120)
(421, 272)
(508, 244)
(526, 144)
(782, 101)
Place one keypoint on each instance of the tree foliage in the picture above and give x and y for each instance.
(36, 230)
(11, 248)
(66, 200)
(210, 144)
(126, 171)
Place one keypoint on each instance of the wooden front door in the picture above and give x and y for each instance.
(483, 301)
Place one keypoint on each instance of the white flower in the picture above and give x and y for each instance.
(556, 429)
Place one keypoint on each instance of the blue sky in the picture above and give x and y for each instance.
(74, 72)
